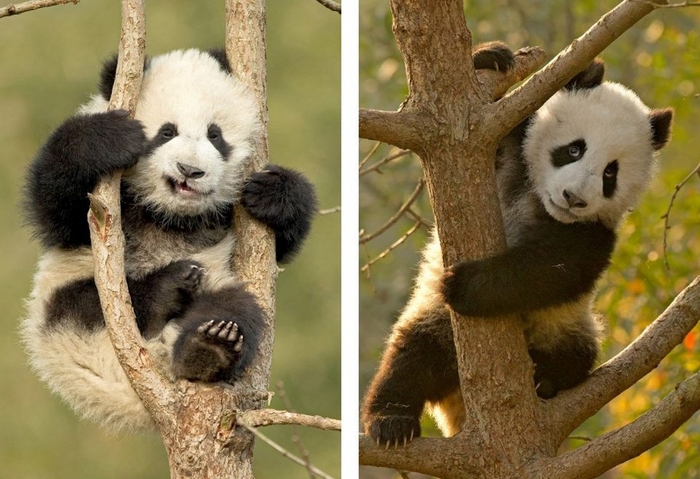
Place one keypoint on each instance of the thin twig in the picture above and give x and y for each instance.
(384, 161)
(296, 439)
(407, 204)
(670, 205)
(668, 5)
(270, 417)
(368, 270)
(328, 211)
(396, 243)
(330, 5)
(284, 452)
(369, 155)
(17, 8)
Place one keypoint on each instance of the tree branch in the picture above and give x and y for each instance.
(17, 8)
(616, 447)
(270, 417)
(403, 129)
(330, 5)
(570, 408)
(406, 128)
(107, 237)
(523, 101)
(413, 456)
(286, 453)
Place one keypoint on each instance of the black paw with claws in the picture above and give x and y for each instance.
(225, 331)
(392, 431)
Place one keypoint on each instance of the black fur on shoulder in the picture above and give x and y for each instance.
(493, 56)
(221, 333)
(285, 201)
(591, 77)
(67, 168)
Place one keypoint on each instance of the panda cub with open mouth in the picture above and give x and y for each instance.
(183, 157)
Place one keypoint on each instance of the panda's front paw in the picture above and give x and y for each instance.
(392, 430)
(286, 202)
(457, 288)
(110, 140)
(493, 56)
(278, 196)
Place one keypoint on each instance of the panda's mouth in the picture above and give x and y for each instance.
(182, 188)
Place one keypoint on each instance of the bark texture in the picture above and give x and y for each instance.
(450, 120)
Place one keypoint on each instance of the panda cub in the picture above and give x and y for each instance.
(183, 157)
(566, 177)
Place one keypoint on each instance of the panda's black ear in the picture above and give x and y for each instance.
(660, 127)
(591, 77)
(219, 55)
(109, 72)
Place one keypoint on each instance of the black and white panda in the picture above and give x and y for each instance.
(184, 156)
(566, 177)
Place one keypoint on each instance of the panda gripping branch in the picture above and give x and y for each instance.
(566, 177)
(183, 157)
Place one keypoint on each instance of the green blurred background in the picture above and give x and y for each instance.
(51, 60)
(660, 59)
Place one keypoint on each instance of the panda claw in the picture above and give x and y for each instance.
(205, 327)
(239, 344)
(225, 332)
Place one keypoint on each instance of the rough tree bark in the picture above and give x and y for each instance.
(450, 121)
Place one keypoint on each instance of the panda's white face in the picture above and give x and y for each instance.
(199, 121)
(590, 154)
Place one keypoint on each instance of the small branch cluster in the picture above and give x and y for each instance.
(666, 216)
(405, 210)
(330, 5)
(17, 8)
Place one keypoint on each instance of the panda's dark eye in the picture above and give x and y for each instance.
(570, 153)
(610, 178)
(575, 151)
(167, 131)
(214, 133)
(216, 138)
(611, 170)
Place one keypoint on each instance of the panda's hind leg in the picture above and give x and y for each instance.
(419, 365)
(219, 336)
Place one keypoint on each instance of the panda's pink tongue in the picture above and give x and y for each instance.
(183, 189)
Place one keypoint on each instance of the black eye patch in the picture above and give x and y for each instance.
(216, 138)
(610, 179)
(570, 153)
(166, 133)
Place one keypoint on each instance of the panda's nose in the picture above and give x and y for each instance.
(189, 171)
(573, 200)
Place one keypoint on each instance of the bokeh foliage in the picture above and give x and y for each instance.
(660, 59)
(50, 64)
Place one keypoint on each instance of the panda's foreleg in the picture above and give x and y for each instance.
(285, 201)
(219, 336)
(555, 264)
(79, 152)
(419, 365)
